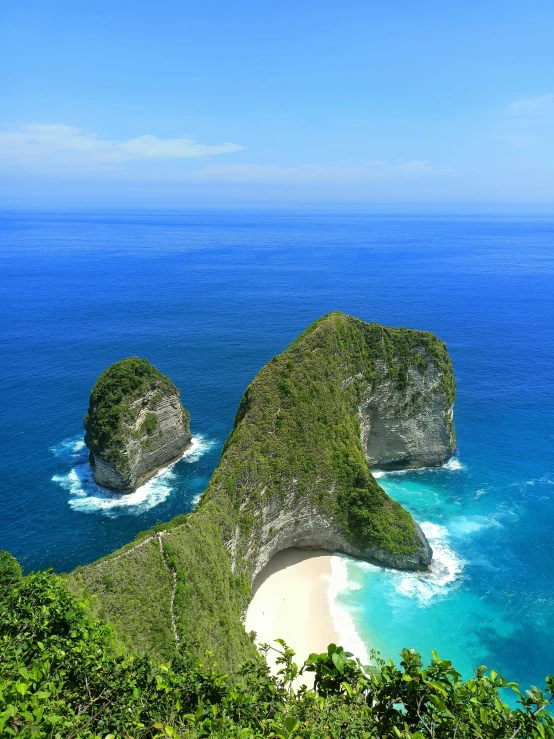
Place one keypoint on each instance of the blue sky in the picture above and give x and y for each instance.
(178, 103)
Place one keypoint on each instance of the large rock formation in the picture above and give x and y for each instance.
(135, 424)
(294, 472)
(410, 426)
(345, 396)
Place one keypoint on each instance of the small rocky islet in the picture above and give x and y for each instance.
(135, 425)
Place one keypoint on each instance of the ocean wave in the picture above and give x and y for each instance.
(74, 447)
(446, 568)
(88, 497)
(91, 498)
(342, 620)
(424, 587)
(198, 447)
(544, 480)
(395, 473)
(453, 465)
(465, 525)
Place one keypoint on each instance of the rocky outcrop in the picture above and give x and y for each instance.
(135, 425)
(409, 428)
(345, 397)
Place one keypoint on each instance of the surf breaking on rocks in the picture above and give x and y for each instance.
(88, 497)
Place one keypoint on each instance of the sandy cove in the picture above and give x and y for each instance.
(291, 602)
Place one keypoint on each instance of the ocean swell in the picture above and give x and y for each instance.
(421, 587)
(424, 587)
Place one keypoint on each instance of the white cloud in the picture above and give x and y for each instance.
(59, 150)
(150, 147)
(525, 124)
(60, 145)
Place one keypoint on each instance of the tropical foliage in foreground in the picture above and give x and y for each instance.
(60, 677)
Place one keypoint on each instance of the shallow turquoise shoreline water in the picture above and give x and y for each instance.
(459, 608)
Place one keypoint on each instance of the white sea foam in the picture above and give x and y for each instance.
(453, 465)
(446, 568)
(466, 525)
(342, 620)
(445, 571)
(544, 480)
(394, 473)
(198, 446)
(423, 587)
(88, 497)
(354, 586)
(73, 447)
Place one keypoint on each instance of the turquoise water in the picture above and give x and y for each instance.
(480, 604)
(211, 297)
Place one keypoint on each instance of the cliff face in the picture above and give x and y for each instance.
(408, 428)
(287, 524)
(295, 471)
(135, 424)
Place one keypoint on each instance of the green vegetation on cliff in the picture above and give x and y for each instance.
(297, 429)
(62, 677)
(10, 570)
(110, 408)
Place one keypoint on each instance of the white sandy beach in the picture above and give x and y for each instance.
(291, 601)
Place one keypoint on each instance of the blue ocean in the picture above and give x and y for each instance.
(209, 297)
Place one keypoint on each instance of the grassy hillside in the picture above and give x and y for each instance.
(296, 439)
(133, 590)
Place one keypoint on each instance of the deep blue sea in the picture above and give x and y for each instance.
(209, 298)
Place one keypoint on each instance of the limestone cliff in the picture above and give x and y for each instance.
(135, 424)
(408, 427)
(295, 471)
(345, 395)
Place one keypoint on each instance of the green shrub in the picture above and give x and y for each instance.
(62, 678)
(150, 424)
(10, 570)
